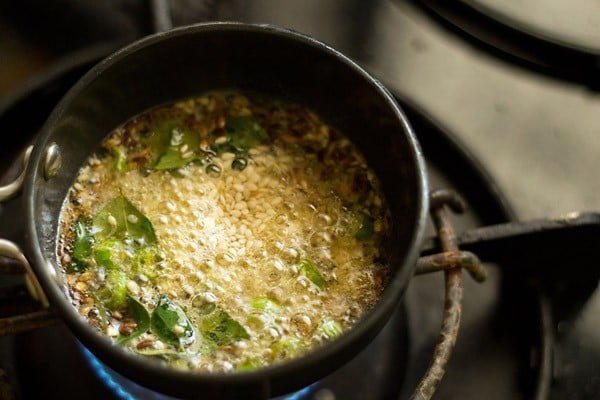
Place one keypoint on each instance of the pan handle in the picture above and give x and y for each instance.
(14, 324)
(12, 189)
(11, 250)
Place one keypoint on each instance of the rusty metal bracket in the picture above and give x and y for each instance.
(28, 322)
(451, 261)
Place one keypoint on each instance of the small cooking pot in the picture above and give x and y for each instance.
(186, 62)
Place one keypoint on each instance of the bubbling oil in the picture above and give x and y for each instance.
(284, 234)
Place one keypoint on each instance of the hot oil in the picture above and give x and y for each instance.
(232, 235)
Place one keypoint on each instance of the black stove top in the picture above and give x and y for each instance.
(514, 342)
(486, 355)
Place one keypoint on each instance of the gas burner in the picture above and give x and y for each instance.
(390, 366)
(125, 389)
(538, 43)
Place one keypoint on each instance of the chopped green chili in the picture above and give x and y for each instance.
(266, 304)
(111, 254)
(309, 269)
(147, 261)
(114, 290)
(248, 365)
(287, 347)
(330, 328)
(82, 248)
(120, 155)
(220, 329)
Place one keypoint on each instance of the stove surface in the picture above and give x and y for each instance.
(535, 134)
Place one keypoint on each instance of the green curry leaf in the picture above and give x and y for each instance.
(365, 227)
(172, 158)
(309, 269)
(244, 132)
(138, 313)
(171, 324)
(172, 145)
(119, 219)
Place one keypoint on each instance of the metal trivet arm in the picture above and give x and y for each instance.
(28, 316)
(451, 261)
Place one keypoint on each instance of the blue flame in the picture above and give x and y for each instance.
(107, 378)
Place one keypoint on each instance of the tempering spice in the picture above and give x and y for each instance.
(224, 232)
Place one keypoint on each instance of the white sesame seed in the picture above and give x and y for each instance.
(209, 296)
(112, 331)
(189, 290)
(133, 287)
(227, 156)
(178, 329)
(278, 264)
(176, 137)
(227, 366)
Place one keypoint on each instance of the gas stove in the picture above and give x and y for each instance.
(505, 143)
